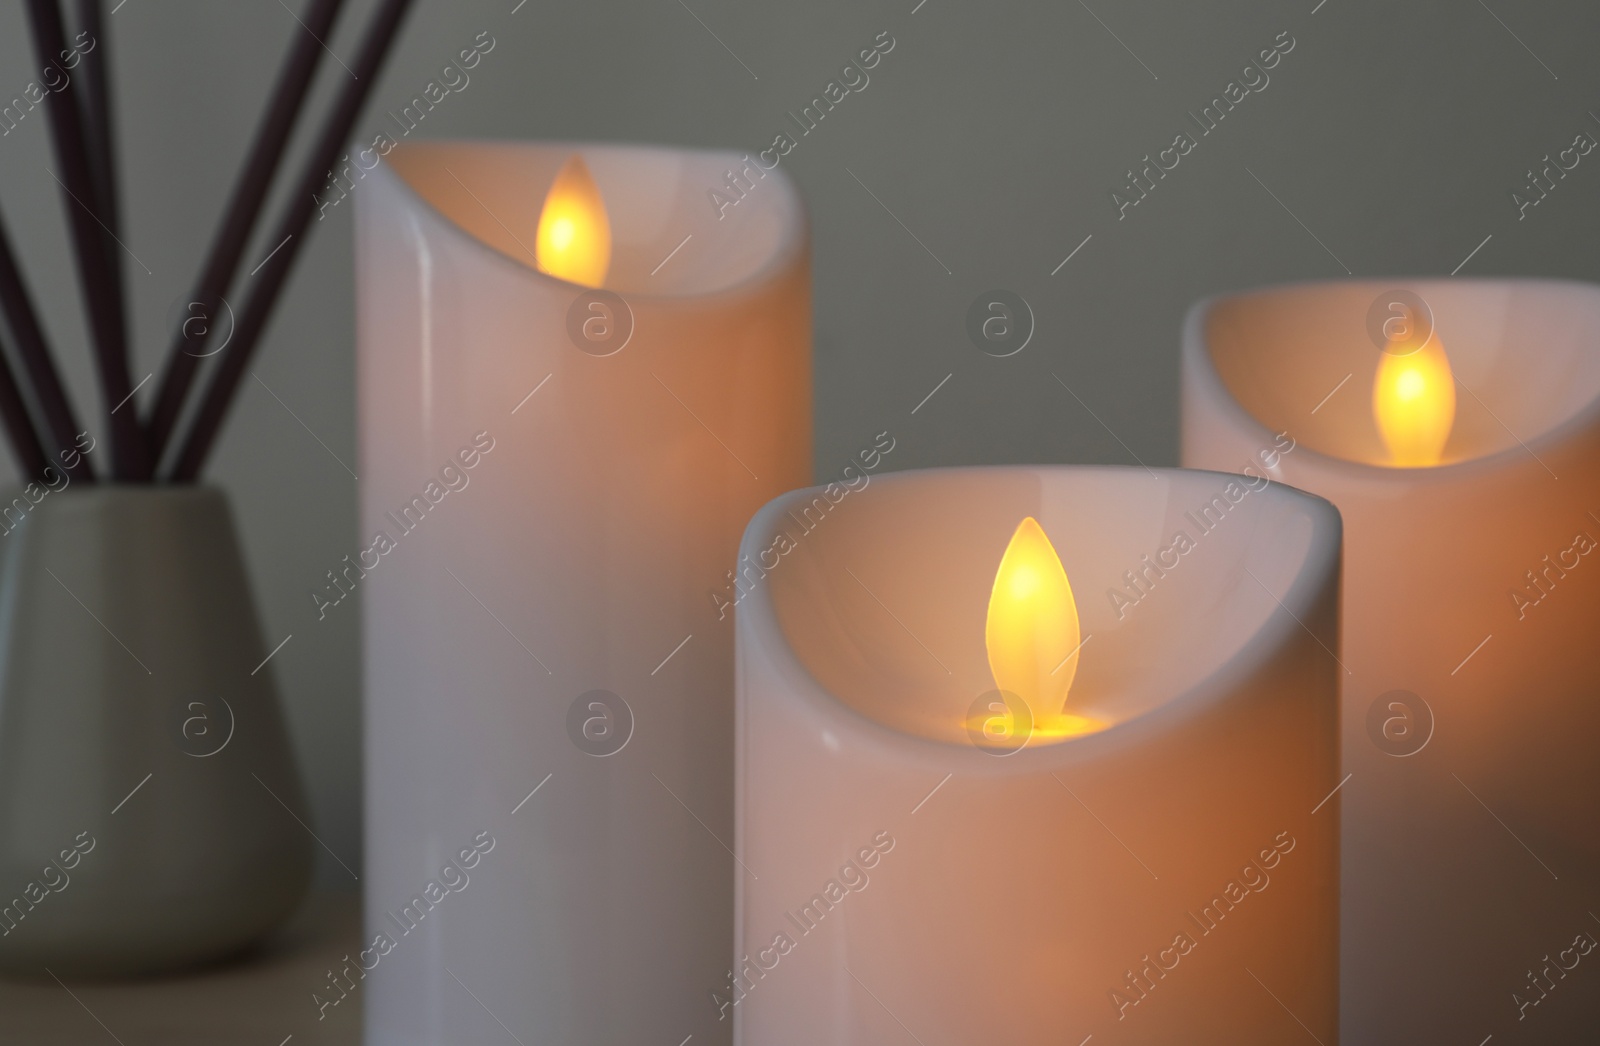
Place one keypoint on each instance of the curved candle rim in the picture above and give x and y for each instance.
(756, 621)
(1195, 351)
(791, 245)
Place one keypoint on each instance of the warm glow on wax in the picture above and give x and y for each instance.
(574, 239)
(1032, 632)
(1414, 404)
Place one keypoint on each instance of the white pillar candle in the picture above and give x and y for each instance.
(1163, 870)
(548, 686)
(1471, 598)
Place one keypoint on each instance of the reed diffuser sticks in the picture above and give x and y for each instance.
(98, 272)
(291, 234)
(49, 396)
(255, 178)
(35, 412)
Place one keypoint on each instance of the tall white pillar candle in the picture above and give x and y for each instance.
(553, 483)
(1470, 607)
(1166, 872)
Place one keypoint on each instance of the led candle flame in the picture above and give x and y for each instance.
(1414, 403)
(574, 238)
(1032, 633)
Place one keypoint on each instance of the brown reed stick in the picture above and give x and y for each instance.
(97, 125)
(244, 207)
(25, 447)
(102, 291)
(288, 236)
(60, 426)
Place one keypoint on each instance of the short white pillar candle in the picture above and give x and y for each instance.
(1471, 602)
(1163, 870)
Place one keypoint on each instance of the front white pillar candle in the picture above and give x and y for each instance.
(1471, 601)
(559, 477)
(1170, 877)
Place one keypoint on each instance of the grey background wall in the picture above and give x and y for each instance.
(984, 150)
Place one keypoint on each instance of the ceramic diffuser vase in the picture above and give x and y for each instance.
(144, 766)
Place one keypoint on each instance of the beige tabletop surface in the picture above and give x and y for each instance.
(261, 999)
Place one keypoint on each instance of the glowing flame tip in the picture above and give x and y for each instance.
(1414, 404)
(574, 237)
(1032, 632)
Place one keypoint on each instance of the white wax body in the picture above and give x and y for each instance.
(581, 554)
(1157, 882)
(1470, 861)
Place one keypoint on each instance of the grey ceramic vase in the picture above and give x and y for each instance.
(148, 795)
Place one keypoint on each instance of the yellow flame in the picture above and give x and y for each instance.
(1032, 632)
(1414, 403)
(574, 239)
